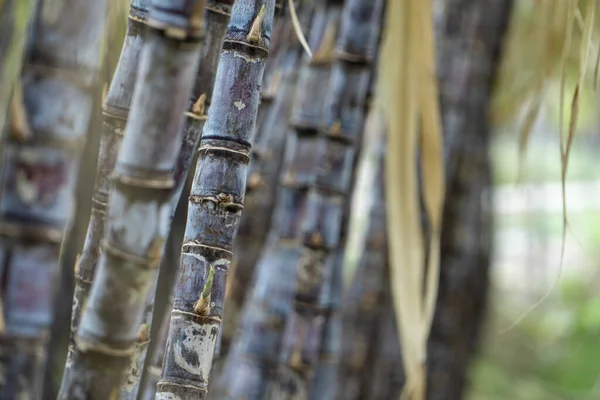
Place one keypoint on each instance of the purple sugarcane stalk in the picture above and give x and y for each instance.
(216, 202)
(139, 206)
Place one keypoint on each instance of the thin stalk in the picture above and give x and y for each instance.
(139, 202)
(14, 19)
(466, 232)
(277, 101)
(315, 315)
(39, 179)
(386, 380)
(216, 202)
(362, 311)
(252, 361)
(154, 368)
(216, 18)
(114, 119)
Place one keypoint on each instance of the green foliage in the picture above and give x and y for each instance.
(551, 355)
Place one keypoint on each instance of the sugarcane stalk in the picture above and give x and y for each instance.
(217, 16)
(387, 378)
(114, 114)
(14, 18)
(465, 65)
(216, 202)
(277, 101)
(154, 368)
(316, 306)
(39, 179)
(253, 359)
(364, 301)
(139, 206)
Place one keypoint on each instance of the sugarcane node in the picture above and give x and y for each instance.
(217, 10)
(351, 58)
(31, 233)
(150, 263)
(166, 182)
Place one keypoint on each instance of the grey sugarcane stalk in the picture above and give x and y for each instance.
(139, 206)
(39, 178)
(277, 101)
(216, 19)
(252, 363)
(465, 65)
(364, 302)
(114, 115)
(313, 333)
(216, 202)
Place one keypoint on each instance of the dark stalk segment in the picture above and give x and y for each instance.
(362, 310)
(216, 18)
(265, 166)
(386, 379)
(216, 202)
(139, 204)
(14, 18)
(114, 118)
(335, 148)
(250, 369)
(152, 373)
(465, 65)
(278, 42)
(39, 176)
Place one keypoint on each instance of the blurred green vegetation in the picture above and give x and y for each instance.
(552, 354)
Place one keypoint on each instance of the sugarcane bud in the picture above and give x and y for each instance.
(255, 181)
(19, 126)
(336, 128)
(255, 33)
(202, 305)
(143, 334)
(326, 51)
(199, 106)
(77, 261)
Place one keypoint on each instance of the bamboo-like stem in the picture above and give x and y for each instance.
(154, 368)
(216, 19)
(39, 179)
(387, 378)
(363, 305)
(14, 18)
(277, 100)
(313, 332)
(115, 112)
(216, 202)
(139, 203)
(468, 62)
(251, 364)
